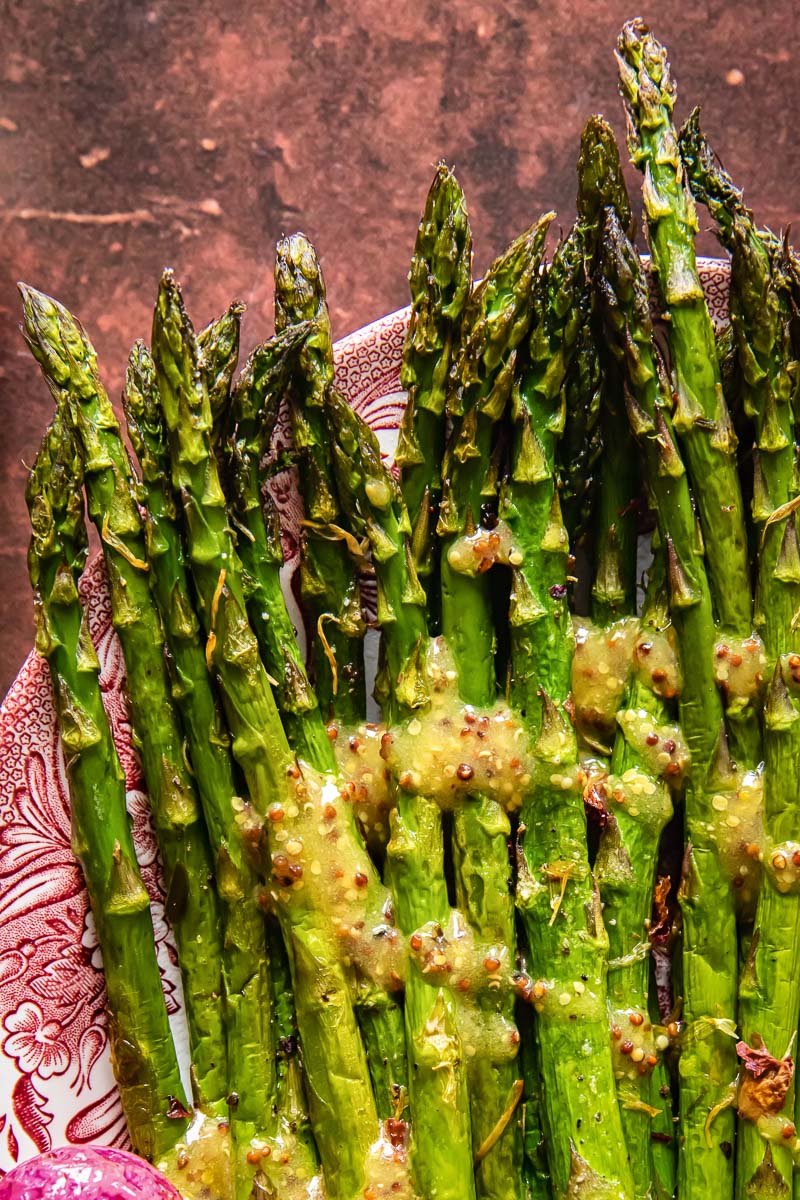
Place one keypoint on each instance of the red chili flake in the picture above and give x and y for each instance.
(652, 739)
(637, 1019)
(361, 880)
(464, 772)
(491, 963)
(416, 941)
(626, 1048)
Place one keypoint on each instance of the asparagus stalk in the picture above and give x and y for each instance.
(440, 280)
(329, 580)
(252, 416)
(250, 419)
(769, 992)
(441, 1145)
(252, 1080)
(627, 858)
(69, 364)
(639, 806)
(142, 1051)
(495, 321)
(701, 416)
(707, 1065)
(601, 184)
(556, 894)
(343, 1112)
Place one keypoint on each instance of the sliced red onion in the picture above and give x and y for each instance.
(90, 1173)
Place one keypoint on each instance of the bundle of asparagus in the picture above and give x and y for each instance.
(426, 957)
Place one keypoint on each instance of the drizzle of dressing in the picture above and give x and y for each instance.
(656, 663)
(601, 667)
(737, 827)
(739, 668)
(636, 1044)
(783, 864)
(386, 1170)
(202, 1168)
(477, 552)
(662, 748)
(449, 751)
(317, 866)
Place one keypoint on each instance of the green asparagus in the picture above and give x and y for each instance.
(142, 1051)
(440, 280)
(701, 416)
(556, 895)
(708, 1063)
(769, 992)
(343, 1113)
(69, 364)
(495, 321)
(252, 1081)
(329, 580)
(252, 417)
(441, 1145)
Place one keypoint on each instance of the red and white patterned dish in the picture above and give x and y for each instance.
(56, 1085)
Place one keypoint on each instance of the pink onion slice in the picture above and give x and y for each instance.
(89, 1173)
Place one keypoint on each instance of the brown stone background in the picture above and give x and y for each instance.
(135, 135)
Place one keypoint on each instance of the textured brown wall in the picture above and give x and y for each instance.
(135, 135)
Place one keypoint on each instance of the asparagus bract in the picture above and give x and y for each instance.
(701, 416)
(142, 1051)
(329, 579)
(708, 1064)
(343, 1113)
(769, 993)
(69, 364)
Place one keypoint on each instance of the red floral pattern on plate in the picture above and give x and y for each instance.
(56, 1085)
